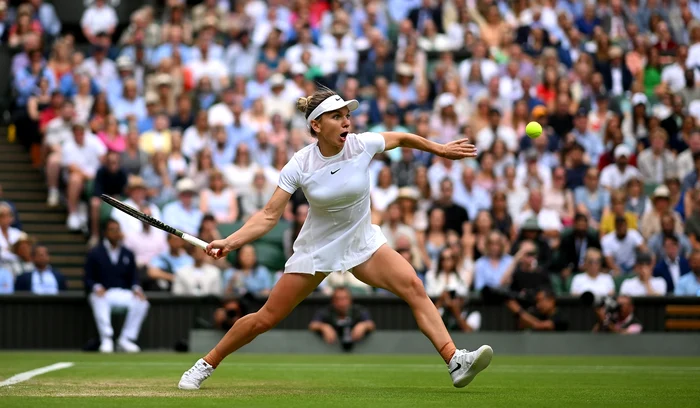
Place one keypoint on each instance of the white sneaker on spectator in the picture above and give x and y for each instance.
(465, 365)
(193, 378)
(73, 222)
(53, 198)
(473, 319)
(107, 346)
(128, 345)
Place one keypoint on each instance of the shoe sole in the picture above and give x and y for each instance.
(480, 363)
(187, 388)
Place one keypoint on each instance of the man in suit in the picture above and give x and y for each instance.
(617, 77)
(111, 281)
(44, 280)
(571, 256)
(426, 11)
(673, 265)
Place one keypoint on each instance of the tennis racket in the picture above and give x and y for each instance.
(152, 221)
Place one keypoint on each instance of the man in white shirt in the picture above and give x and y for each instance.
(644, 284)
(547, 219)
(496, 130)
(81, 158)
(593, 280)
(99, 17)
(183, 214)
(207, 66)
(620, 247)
(277, 102)
(198, 279)
(617, 174)
(98, 67)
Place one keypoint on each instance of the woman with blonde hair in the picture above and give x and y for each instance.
(219, 199)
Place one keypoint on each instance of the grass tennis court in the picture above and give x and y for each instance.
(150, 380)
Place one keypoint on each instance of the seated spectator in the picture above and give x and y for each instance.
(182, 213)
(409, 251)
(644, 284)
(7, 281)
(620, 247)
(593, 279)
(393, 227)
(342, 321)
(615, 175)
(490, 269)
(617, 209)
(98, 18)
(657, 162)
(668, 229)
(524, 274)
(198, 278)
(291, 234)
(247, 276)
(240, 174)
(111, 280)
(110, 180)
(159, 182)
(543, 316)
(44, 280)
(133, 159)
(650, 223)
(161, 269)
(385, 192)
(8, 234)
(136, 194)
(254, 198)
(672, 265)
(159, 139)
(81, 158)
(547, 220)
(455, 216)
(15, 215)
(689, 284)
(471, 196)
(346, 280)
(219, 199)
(111, 137)
(558, 198)
(531, 231)
(22, 250)
(637, 203)
(146, 242)
(622, 321)
(570, 257)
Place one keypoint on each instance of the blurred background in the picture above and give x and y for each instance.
(186, 111)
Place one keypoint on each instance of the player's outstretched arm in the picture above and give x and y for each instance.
(455, 150)
(258, 225)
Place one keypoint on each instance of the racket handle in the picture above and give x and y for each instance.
(194, 241)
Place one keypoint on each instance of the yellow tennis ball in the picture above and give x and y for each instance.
(533, 130)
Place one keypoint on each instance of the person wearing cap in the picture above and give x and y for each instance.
(403, 91)
(615, 175)
(136, 197)
(277, 101)
(82, 156)
(644, 284)
(657, 163)
(182, 213)
(338, 235)
(620, 247)
(650, 223)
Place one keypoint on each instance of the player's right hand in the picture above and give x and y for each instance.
(218, 249)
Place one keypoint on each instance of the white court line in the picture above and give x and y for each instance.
(15, 379)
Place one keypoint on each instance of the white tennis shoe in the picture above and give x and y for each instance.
(193, 378)
(465, 365)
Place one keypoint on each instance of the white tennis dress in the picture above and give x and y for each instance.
(338, 233)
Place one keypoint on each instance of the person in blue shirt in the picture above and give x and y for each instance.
(689, 284)
(247, 276)
(44, 280)
(161, 269)
(7, 285)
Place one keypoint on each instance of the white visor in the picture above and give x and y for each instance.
(330, 104)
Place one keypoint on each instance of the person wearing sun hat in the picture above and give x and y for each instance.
(650, 223)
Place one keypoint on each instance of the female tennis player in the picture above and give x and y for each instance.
(338, 235)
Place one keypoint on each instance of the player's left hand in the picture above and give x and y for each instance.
(459, 149)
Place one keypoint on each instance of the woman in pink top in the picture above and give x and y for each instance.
(111, 137)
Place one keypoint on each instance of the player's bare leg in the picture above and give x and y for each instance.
(289, 291)
(388, 270)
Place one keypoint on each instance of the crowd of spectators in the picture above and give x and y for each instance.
(188, 114)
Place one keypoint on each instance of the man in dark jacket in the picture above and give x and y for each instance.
(673, 265)
(572, 248)
(44, 280)
(111, 281)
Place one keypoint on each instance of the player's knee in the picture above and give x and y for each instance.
(263, 322)
(414, 289)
